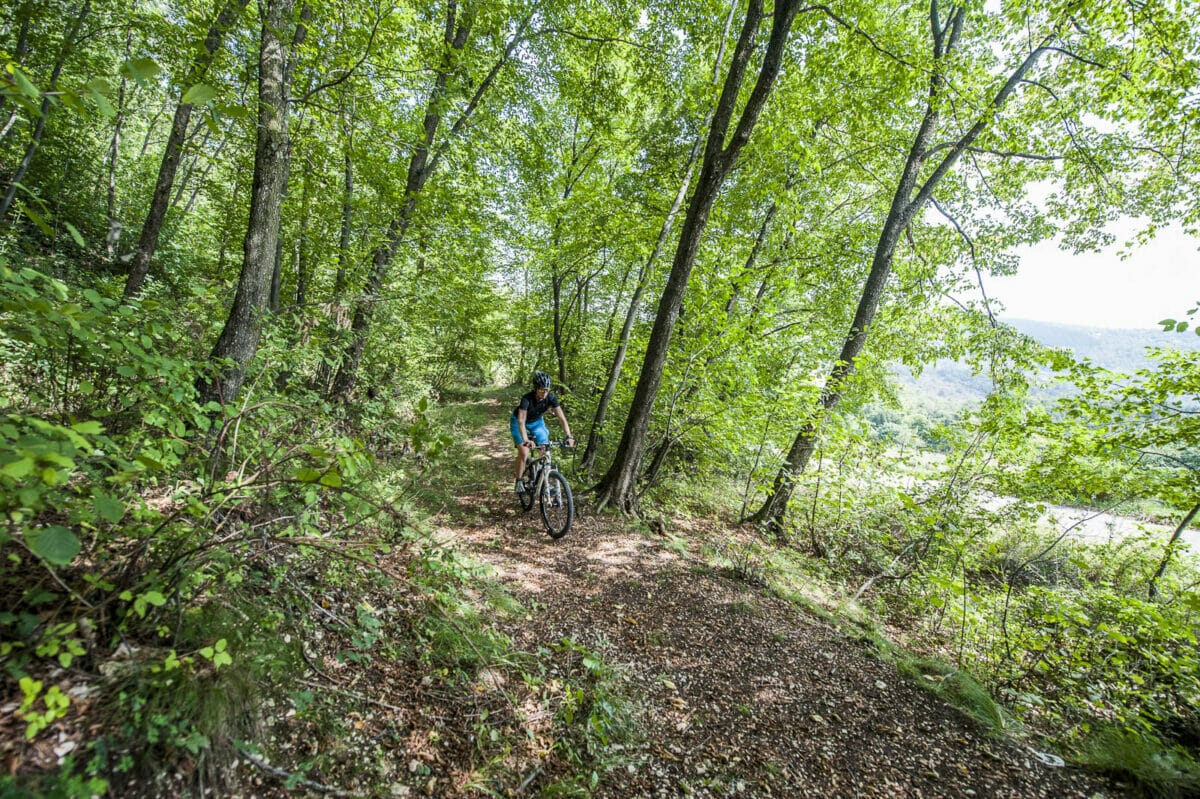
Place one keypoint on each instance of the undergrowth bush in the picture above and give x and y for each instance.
(162, 555)
(1060, 631)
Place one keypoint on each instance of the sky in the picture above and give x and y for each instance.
(1158, 281)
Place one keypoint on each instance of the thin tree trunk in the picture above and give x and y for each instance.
(578, 166)
(203, 179)
(150, 130)
(422, 165)
(302, 266)
(618, 484)
(25, 15)
(39, 127)
(239, 339)
(1170, 550)
(139, 267)
(191, 167)
(339, 282)
(112, 240)
(325, 370)
(556, 304)
(277, 271)
(908, 200)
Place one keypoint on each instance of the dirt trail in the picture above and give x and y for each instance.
(739, 692)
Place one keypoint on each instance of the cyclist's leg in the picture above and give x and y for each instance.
(538, 431)
(515, 429)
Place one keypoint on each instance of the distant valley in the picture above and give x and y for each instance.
(947, 385)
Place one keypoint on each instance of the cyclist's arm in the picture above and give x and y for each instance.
(562, 418)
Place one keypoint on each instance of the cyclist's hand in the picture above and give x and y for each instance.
(571, 441)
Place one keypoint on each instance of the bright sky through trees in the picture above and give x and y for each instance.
(1103, 289)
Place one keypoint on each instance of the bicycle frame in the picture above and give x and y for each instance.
(540, 466)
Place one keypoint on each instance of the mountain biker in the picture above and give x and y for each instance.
(526, 423)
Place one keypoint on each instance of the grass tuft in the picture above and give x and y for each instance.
(957, 688)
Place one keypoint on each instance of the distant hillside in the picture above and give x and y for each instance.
(1121, 350)
(951, 384)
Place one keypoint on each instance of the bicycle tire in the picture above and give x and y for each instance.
(526, 497)
(557, 505)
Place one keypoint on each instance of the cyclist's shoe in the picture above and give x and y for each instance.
(520, 486)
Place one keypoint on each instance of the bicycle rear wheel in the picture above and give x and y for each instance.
(558, 507)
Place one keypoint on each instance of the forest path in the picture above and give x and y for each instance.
(739, 692)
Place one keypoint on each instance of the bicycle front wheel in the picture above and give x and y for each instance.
(558, 507)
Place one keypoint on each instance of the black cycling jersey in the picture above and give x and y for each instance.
(534, 408)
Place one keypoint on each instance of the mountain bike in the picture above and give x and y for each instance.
(546, 485)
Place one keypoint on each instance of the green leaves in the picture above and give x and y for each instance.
(143, 601)
(57, 545)
(75, 234)
(200, 94)
(330, 477)
(107, 508)
(217, 654)
(140, 70)
(1180, 325)
(20, 467)
(23, 84)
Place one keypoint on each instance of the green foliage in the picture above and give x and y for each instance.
(1163, 771)
(63, 784)
(595, 712)
(172, 544)
(162, 544)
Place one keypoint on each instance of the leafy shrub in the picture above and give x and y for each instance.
(1163, 771)
(161, 543)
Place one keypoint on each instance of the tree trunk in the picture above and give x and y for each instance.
(339, 282)
(906, 203)
(139, 267)
(618, 484)
(183, 182)
(560, 356)
(1170, 550)
(277, 270)
(112, 240)
(239, 340)
(303, 268)
(325, 371)
(618, 362)
(39, 127)
(578, 166)
(203, 179)
(25, 15)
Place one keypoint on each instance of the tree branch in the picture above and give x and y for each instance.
(347, 73)
(987, 304)
(1012, 154)
(587, 38)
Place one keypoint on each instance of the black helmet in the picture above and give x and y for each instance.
(541, 380)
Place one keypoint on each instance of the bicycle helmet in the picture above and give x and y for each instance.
(541, 380)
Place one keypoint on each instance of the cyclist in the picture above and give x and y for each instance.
(526, 423)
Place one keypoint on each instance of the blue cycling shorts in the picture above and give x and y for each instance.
(537, 431)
